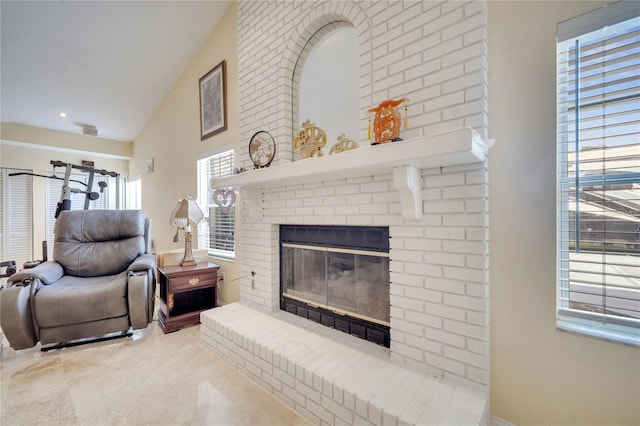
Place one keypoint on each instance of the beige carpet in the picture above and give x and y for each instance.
(148, 379)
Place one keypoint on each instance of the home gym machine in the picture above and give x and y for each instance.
(65, 199)
(67, 190)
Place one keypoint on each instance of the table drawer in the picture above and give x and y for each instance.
(191, 282)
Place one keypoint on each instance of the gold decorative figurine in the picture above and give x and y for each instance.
(344, 144)
(310, 140)
(386, 121)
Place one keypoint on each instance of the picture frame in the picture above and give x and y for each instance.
(213, 101)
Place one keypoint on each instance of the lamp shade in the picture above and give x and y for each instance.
(187, 208)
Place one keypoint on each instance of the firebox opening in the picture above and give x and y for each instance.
(337, 276)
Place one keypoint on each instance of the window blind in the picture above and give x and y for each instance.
(217, 232)
(16, 223)
(598, 174)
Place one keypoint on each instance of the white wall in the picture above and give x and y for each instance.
(172, 139)
(539, 375)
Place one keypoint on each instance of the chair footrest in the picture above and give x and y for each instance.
(85, 341)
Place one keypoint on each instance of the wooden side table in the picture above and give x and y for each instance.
(184, 293)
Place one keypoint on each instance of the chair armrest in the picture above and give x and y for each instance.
(47, 272)
(141, 290)
(143, 263)
(16, 316)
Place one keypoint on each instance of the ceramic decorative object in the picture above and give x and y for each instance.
(262, 149)
(344, 144)
(224, 198)
(310, 140)
(387, 121)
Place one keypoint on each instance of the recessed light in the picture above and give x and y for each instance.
(62, 114)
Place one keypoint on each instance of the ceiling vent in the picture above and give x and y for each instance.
(90, 130)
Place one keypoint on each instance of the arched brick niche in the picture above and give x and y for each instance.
(288, 49)
(319, 21)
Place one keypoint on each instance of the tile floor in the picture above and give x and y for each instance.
(150, 378)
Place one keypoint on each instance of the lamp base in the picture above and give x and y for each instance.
(188, 259)
(188, 262)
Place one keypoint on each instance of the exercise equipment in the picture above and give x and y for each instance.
(65, 200)
(10, 268)
(67, 190)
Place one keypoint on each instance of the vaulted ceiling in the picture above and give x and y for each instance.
(107, 64)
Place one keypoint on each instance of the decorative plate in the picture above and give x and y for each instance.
(262, 149)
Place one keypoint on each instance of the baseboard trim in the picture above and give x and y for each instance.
(497, 421)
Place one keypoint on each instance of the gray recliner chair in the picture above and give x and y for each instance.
(101, 281)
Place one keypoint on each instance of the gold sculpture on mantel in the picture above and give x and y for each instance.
(310, 140)
(386, 121)
(345, 143)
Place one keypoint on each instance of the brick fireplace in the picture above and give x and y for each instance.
(438, 301)
(431, 190)
(438, 264)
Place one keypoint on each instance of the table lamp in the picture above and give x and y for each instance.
(185, 212)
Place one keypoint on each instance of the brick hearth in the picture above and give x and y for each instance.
(331, 380)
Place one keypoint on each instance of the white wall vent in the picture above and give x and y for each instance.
(90, 130)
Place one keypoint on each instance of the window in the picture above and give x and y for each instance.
(598, 173)
(134, 194)
(217, 232)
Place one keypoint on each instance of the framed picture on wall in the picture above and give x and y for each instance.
(213, 101)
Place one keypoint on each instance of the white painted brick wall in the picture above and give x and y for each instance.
(439, 268)
(434, 53)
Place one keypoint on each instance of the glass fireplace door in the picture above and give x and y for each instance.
(350, 282)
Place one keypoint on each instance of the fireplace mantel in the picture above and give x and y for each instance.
(404, 159)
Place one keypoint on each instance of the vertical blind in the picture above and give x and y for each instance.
(217, 232)
(598, 173)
